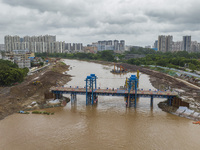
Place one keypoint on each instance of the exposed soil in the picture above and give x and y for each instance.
(15, 98)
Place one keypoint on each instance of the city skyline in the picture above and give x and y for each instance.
(138, 22)
(48, 43)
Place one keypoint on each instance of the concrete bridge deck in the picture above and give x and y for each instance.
(113, 92)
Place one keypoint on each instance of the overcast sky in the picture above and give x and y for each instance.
(138, 22)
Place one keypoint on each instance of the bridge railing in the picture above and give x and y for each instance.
(139, 90)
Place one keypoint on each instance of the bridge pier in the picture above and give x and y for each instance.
(91, 99)
(128, 101)
(88, 98)
(73, 98)
(58, 95)
(135, 103)
(169, 99)
(152, 101)
(131, 101)
(95, 100)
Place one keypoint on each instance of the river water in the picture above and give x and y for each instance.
(109, 125)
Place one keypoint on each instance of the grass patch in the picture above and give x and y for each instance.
(42, 112)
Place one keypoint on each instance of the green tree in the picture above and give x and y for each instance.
(192, 66)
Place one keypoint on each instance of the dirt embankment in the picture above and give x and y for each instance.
(15, 98)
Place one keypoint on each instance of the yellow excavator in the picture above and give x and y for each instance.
(36, 82)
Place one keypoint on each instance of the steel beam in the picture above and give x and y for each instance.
(152, 101)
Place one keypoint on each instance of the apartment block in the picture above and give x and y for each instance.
(2, 47)
(36, 44)
(161, 43)
(186, 43)
(177, 46)
(111, 45)
(165, 43)
(195, 46)
(20, 57)
(155, 44)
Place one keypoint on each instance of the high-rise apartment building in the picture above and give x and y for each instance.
(111, 45)
(2, 47)
(165, 43)
(155, 44)
(116, 45)
(36, 44)
(109, 42)
(10, 41)
(177, 46)
(68, 47)
(169, 43)
(122, 45)
(186, 43)
(161, 43)
(195, 46)
(73, 47)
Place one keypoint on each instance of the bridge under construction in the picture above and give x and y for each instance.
(130, 92)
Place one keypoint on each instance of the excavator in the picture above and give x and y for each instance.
(36, 82)
(121, 70)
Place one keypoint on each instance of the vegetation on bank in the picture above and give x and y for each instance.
(176, 60)
(10, 73)
(103, 55)
(42, 112)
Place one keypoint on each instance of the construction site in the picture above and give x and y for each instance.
(118, 69)
(18, 97)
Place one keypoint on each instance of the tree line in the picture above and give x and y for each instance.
(106, 55)
(10, 73)
(176, 60)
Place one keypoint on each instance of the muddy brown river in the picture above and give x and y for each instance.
(109, 125)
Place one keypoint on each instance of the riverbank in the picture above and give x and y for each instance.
(15, 98)
(162, 81)
(187, 91)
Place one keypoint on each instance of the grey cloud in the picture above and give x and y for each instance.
(124, 19)
(184, 13)
(73, 8)
(87, 20)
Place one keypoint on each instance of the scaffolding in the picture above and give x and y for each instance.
(91, 83)
(132, 85)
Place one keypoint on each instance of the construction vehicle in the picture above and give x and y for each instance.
(36, 82)
(121, 70)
